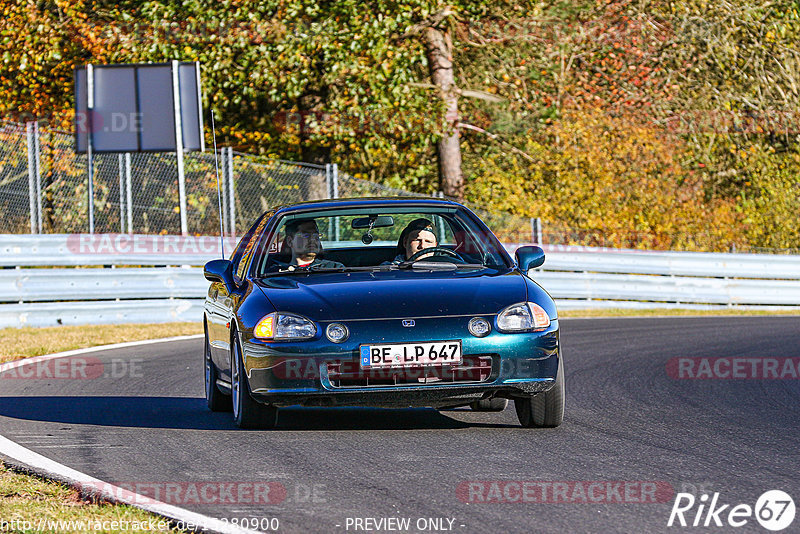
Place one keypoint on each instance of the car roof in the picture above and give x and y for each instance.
(364, 202)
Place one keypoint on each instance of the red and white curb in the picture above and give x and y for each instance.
(21, 457)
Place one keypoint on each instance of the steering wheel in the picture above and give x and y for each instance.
(445, 251)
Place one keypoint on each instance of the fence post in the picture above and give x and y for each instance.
(129, 192)
(29, 133)
(328, 181)
(335, 179)
(222, 198)
(335, 194)
(121, 169)
(536, 230)
(36, 156)
(231, 192)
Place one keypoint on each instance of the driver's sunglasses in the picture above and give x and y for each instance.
(305, 235)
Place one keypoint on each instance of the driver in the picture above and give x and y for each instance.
(417, 236)
(302, 240)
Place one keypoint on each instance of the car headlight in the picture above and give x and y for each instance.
(284, 327)
(522, 317)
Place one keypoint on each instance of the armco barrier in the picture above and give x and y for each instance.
(81, 279)
(585, 277)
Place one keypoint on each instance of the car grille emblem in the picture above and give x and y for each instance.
(408, 323)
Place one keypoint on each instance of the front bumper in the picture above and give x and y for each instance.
(284, 374)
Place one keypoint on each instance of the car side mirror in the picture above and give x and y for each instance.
(220, 271)
(529, 257)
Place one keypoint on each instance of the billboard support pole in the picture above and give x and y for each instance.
(176, 99)
(90, 134)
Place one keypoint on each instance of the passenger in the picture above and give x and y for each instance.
(303, 241)
(418, 235)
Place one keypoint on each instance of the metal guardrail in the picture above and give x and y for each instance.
(702, 264)
(21, 250)
(39, 285)
(75, 279)
(101, 312)
(585, 277)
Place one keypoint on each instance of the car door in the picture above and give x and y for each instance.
(226, 302)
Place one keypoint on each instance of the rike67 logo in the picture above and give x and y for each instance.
(774, 510)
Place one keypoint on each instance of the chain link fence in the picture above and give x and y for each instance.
(44, 189)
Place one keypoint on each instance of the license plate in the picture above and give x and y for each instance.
(410, 354)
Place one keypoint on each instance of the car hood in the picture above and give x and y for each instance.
(394, 294)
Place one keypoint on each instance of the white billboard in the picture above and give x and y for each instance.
(138, 107)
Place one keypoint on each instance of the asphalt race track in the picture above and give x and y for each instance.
(629, 427)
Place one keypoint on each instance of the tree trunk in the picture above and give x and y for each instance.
(439, 49)
(312, 106)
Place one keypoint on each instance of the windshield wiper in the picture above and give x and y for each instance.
(438, 265)
(309, 270)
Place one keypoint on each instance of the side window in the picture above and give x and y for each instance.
(250, 248)
(244, 249)
(444, 230)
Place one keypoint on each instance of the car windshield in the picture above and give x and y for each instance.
(379, 238)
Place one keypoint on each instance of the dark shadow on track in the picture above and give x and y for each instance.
(192, 413)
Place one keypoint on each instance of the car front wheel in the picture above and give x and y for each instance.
(545, 409)
(247, 413)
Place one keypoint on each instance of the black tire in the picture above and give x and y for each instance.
(489, 405)
(216, 400)
(546, 409)
(247, 413)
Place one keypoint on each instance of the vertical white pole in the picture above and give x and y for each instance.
(536, 230)
(129, 192)
(223, 215)
(329, 187)
(335, 181)
(89, 136)
(231, 192)
(176, 100)
(121, 168)
(328, 183)
(37, 160)
(31, 173)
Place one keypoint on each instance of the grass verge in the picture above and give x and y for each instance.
(31, 504)
(16, 343)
